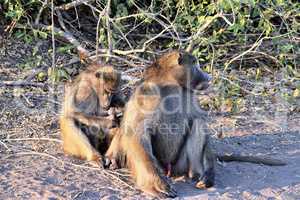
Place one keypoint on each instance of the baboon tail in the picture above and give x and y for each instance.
(251, 159)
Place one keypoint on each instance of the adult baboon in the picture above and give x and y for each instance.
(160, 125)
(164, 127)
(89, 112)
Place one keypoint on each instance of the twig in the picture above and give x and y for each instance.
(143, 49)
(27, 100)
(21, 84)
(122, 34)
(52, 34)
(256, 44)
(97, 31)
(44, 5)
(72, 4)
(108, 27)
(5, 145)
(93, 57)
(201, 29)
(268, 56)
(244, 89)
(60, 21)
(83, 53)
(33, 139)
(34, 72)
(128, 16)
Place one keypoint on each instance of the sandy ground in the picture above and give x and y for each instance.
(32, 165)
(27, 174)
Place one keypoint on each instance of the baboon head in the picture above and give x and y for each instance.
(108, 84)
(196, 78)
(180, 67)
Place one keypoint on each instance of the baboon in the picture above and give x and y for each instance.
(89, 112)
(163, 127)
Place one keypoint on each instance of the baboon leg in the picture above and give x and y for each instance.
(112, 159)
(208, 177)
(201, 159)
(181, 166)
(76, 143)
(144, 168)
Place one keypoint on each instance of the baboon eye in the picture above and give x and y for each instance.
(107, 92)
(180, 59)
(98, 74)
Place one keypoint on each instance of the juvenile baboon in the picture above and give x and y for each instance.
(89, 112)
(164, 128)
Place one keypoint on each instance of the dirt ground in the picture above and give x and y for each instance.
(32, 165)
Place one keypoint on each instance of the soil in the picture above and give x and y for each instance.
(33, 166)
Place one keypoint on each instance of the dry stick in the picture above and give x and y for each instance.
(5, 145)
(44, 5)
(255, 45)
(153, 16)
(174, 29)
(244, 89)
(60, 21)
(97, 32)
(21, 84)
(268, 56)
(122, 34)
(109, 33)
(199, 32)
(34, 72)
(33, 139)
(72, 4)
(52, 34)
(83, 53)
(108, 173)
(143, 49)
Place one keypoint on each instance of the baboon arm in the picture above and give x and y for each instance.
(115, 147)
(251, 159)
(75, 142)
(84, 90)
(105, 122)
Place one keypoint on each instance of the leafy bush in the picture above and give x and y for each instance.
(254, 37)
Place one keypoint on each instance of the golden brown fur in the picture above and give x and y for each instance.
(147, 153)
(85, 120)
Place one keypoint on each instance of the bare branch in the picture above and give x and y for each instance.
(52, 34)
(72, 4)
(200, 31)
(44, 5)
(21, 84)
(109, 33)
(83, 53)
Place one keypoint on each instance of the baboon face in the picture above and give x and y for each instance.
(108, 85)
(195, 77)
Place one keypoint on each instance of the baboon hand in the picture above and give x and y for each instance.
(110, 163)
(113, 121)
(164, 188)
